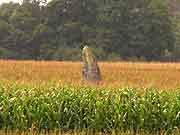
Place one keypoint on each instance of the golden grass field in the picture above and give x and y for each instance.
(114, 74)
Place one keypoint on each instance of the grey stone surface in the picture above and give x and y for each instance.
(91, 70)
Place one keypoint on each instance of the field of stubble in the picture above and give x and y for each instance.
(114, 74)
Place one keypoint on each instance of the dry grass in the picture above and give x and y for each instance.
(119, 74)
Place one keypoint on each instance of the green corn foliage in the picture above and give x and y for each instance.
(89, 109)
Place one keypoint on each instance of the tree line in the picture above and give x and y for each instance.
(115, 29)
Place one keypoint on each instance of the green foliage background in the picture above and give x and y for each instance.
(115, 29)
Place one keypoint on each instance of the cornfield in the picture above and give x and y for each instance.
(89, 109)
(51, 98)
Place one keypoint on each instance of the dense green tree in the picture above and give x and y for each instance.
(139, 29)
(115, 29)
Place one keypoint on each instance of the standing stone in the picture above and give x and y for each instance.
(91, 71)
